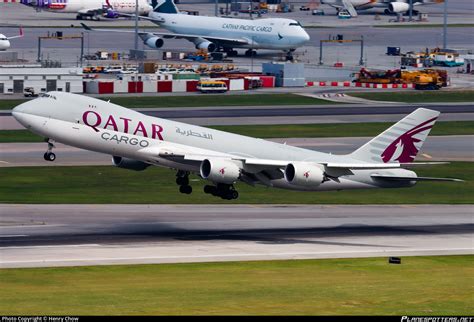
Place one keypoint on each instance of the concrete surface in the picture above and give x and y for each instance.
(70, 235)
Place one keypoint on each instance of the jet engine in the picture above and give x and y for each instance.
(111, 14)
(398, 7)
(129, 164)
(207, 45)
(220, 171)
(154, 42)
(304, 174)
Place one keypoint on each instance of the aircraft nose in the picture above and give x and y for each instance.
(306, 36)
(22, 111)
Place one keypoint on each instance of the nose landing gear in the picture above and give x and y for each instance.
(49, 155)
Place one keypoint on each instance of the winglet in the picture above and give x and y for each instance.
(86, 27)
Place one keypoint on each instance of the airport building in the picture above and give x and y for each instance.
(15, 80)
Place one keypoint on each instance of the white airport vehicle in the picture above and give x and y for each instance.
(216, 33)
(211, 86)
(5, 41)
(93, 9)
(137, 141)
(389, 6)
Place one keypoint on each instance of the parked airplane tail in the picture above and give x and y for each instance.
(401, 142)
(164, 6)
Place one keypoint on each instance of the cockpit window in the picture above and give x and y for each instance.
(46, 95)
(295, 24)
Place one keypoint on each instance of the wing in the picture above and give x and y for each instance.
(19, 36)
(395, 178)
(170, 35)
(91, 11)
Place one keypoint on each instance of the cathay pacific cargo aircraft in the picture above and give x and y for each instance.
(136, 141)
(216, 33)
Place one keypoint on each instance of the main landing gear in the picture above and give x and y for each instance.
(225, 191)
(289, 55)
(182, 180)
(49, 155)
(250, 53)
(230, 52)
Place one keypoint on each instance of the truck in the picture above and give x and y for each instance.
(446, 59)
(426, 79)
(29, 92)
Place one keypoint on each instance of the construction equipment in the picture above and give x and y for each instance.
(379, 76)
(426, 79)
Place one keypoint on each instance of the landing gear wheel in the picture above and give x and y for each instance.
(210, 189)
(250, 53)
(186, 189)
(182, 181)
(49, 156)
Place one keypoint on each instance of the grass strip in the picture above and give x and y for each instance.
(108, 184)
(419, 96)
(204, 100)
(425, 286)
(290, 130)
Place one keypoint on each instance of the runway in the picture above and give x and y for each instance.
(290, 114)
(70, 235)
(446, 148)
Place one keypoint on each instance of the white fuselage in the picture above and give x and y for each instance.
(100, 126)
(81, 6)
(267, 33)
(4, 42)
(367, 4)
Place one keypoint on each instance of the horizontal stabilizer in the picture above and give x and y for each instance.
(396, 178)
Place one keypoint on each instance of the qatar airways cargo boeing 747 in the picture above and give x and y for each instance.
(136, 141)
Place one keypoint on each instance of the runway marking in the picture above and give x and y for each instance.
(32, 226)
(4, 162)
(266, 255)
(427, 156)
(6, 236)
(50, 246)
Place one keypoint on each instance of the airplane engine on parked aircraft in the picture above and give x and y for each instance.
(304, 174)
(220, 171)
(111, 14)
(129, 164)
(207, 45)
(398, 7)
(154, 42)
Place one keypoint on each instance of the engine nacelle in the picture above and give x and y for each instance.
(207, 45)
(129, 164)
(220, 171)
(111, 14)
(304, 174)
(154, 42)
(398, 7)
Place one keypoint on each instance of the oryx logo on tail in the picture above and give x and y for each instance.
(405, 148)
(401, 142)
